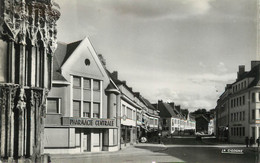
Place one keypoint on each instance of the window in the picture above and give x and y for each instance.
(232, 103)
(253, 97)
(96, 110)
(86, 83)
(243, 131)
(86, 109)
(129, 113)
(123, 110)
(53, 105)
(232, 131)
(134, 115)
(243, 115)
(82, 101)
(259, 96)
(76, 108)
(76, 82)
(237, 102)
(164, 121)
(253, 114)
(240, 116)
(96, 85)
(231, 116)
(240, 101)
(243, 100)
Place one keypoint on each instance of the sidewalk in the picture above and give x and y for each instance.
(133, 149)
(139, 153)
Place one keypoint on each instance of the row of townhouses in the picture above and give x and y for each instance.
(89, 109)
(238, 108)
(174, 121)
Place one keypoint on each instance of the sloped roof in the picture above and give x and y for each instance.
(202, 116)
(253, 73)
(148, 104)
(56, 70)
(70, 49)
(166, 110)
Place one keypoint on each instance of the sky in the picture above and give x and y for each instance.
(182, 51)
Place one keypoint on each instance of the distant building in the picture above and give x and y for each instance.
(202, 124)
(138, 117)
(237, 110)
(173, 121)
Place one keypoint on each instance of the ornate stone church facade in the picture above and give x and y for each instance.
(27, 43)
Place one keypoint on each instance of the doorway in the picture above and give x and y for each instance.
(86, 141)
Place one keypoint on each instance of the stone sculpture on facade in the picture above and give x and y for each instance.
(28, 35)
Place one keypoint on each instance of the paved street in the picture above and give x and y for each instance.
(192, 152)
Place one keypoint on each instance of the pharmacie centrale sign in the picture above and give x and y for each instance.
(89, 122)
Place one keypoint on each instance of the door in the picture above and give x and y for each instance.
(86, 142)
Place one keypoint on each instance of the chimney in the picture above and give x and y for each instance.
(254, 63)
(241, 70)
(137, 94)
(102, 59)
(115, 74)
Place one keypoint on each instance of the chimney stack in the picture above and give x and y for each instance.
(241, 71)
(115, 74)
(254, 63)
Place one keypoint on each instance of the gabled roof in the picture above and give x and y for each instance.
(166, 110)
(202, 116)
(147, 103)
(70, 49)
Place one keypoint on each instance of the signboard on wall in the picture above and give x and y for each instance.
(88, 122)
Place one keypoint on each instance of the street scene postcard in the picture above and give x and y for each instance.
(129, 81)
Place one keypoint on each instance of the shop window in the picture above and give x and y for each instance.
(86, 84)
(76, 82)
(96, 110)
(77, 137)
(96, 138)
(115, 135)
(53, 105)
(86, 109)
(96, 85)
(76, 108)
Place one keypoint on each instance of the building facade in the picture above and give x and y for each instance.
(238, 107)
(82, 106)
(27, 43)
(138, 117)
(173, 121)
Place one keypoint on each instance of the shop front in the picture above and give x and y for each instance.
(79, 135)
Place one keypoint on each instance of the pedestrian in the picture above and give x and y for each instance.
(251, 141)
(247, 141)
(159, 137)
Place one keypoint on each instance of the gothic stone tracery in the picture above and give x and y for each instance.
(28, 27)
